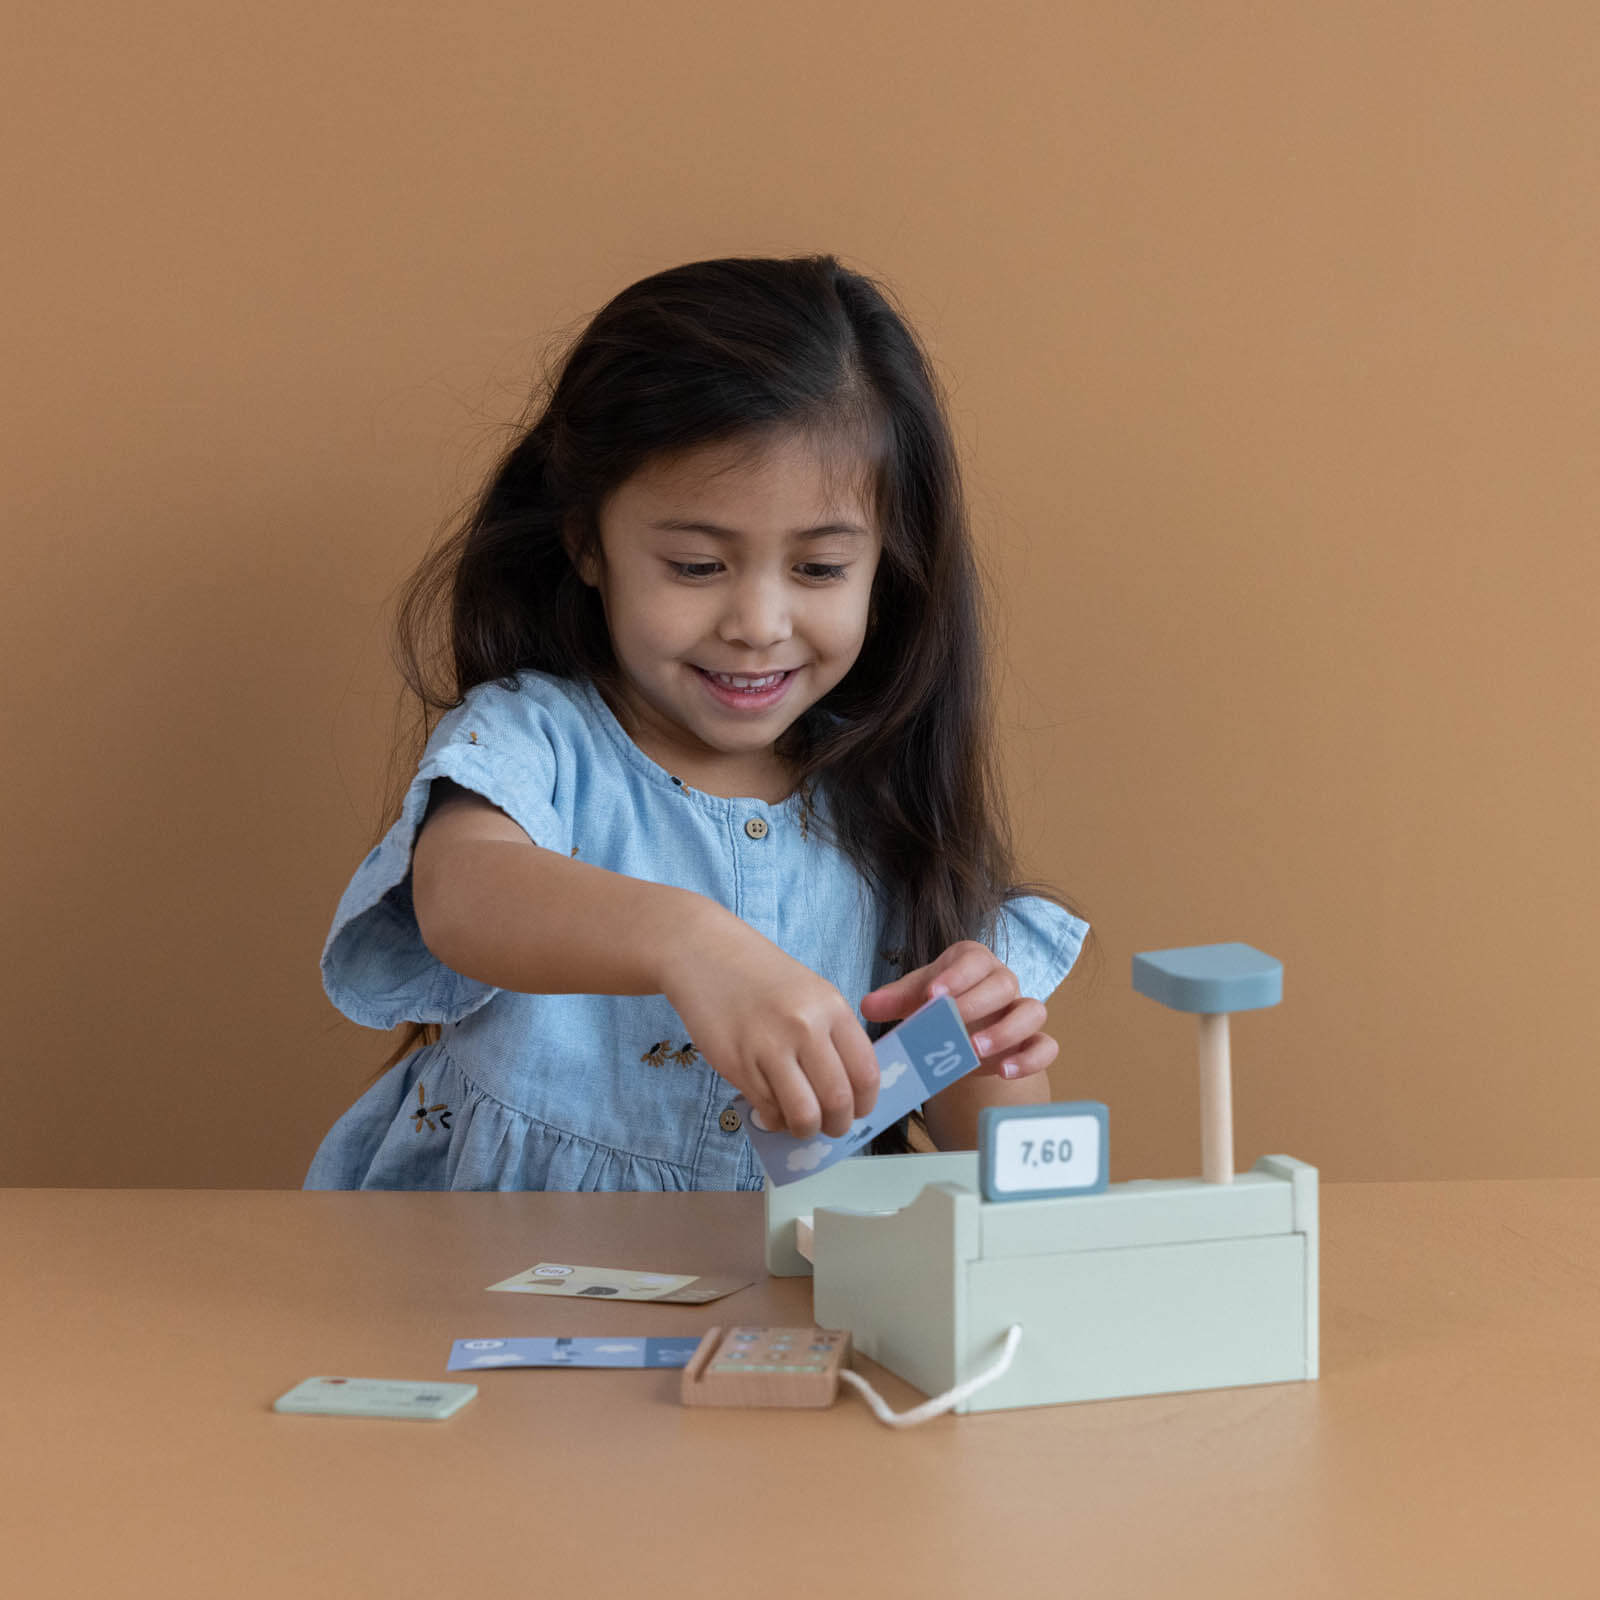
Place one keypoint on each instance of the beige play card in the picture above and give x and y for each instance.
(554, 1280)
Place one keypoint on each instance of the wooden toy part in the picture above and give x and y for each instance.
(1153, 1286)
(1216, 1101)
(1212, 980)
(861, 1183)
(748, 1366)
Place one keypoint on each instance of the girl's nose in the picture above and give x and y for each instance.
(757, 614)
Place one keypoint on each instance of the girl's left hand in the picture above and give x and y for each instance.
(1001, 1021)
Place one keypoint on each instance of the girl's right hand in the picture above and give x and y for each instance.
(779, 1033)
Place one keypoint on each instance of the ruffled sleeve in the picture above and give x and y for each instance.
(1039, 941)
(375, 967)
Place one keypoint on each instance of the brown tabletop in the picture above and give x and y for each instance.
(1450, 1448)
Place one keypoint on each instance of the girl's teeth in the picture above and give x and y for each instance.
(746, 683)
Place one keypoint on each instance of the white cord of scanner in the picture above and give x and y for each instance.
(940, 1403)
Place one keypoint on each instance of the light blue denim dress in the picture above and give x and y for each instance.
(591, 1091)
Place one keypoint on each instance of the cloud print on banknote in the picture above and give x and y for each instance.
(808, 1155)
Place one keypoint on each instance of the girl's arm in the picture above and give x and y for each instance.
(493, 905)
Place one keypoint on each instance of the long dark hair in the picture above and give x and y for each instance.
(735, 351)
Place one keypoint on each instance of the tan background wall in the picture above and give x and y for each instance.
(1271, 339)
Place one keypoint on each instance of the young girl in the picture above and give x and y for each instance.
(715, 762)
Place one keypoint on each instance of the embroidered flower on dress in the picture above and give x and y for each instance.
(660, 1053)
(424, 1112)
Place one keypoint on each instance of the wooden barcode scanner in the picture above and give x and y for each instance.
(1212, 981)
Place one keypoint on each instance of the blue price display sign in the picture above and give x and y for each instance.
(1036, 1152)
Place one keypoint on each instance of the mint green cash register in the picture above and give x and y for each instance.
(1144, 1287)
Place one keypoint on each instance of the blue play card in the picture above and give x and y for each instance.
(616, 1351)
(926, 1052)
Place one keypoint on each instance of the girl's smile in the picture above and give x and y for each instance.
(747, 699)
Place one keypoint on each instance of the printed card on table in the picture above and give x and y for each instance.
(555, 1280)
(924, 1054)
(616, 1351)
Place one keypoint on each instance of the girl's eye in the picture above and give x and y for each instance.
(820, 572)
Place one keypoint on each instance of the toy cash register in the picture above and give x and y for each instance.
(1017, 1278)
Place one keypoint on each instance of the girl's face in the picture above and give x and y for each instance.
(762, 597)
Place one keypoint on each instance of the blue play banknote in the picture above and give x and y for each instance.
(924, 1054)
(617, 1351)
